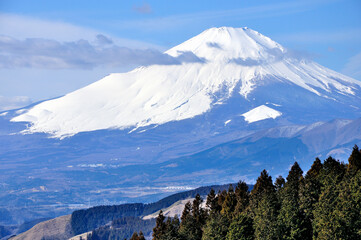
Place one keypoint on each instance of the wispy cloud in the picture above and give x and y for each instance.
(145, 8)
(81, 54)
(255, 12)
(353, 67)
(339, 35)
(7, 103)
(21, 27)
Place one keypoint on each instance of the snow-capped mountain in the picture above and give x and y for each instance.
(233, 103)
(221, 66)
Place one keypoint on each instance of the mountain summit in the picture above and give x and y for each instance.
(229, 44)
(230, 68)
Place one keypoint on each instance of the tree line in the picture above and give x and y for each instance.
(122, 228)
(89, 219)
(325, 203)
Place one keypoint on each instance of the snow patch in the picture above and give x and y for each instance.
(260, 113)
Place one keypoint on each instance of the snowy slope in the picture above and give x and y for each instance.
(225, 62)
(175, 209)
(260, 113)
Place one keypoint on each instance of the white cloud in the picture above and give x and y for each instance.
(27, 42)
(21, 27)
(41, 83)
(80, 54)
(353, 67)
(7, 103)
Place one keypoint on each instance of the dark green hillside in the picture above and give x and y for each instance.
(325, 203)
(168, 201)
(123, 228)
(89, 219)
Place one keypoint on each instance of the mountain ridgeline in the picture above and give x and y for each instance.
(322, 204)
(89, 219)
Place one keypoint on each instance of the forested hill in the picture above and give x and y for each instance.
(325, 203)
(89, 219)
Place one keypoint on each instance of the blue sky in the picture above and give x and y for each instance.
(48, 48)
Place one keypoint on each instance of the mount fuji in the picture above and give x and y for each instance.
(229, 103)
(225, 63)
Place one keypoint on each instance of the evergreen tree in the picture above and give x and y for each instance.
(348, 208)
(172, 228)
(160, 227)
(242, 197)
(265, 217)
(310, 190)
(212, 202)
(292, 224)
(354, 161)
(141, 236)
(186, 211)
(229, 204)
(347, 212)
(193, 220)
(264, 207)
(216, 227)
(325, 220)
(199, 214)
(332, 170)
(134, 236)
(221, 198)
(279, 183)
(262, 187)
(241, 228)
(279, 186)
(187, 222)
(315, 169)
